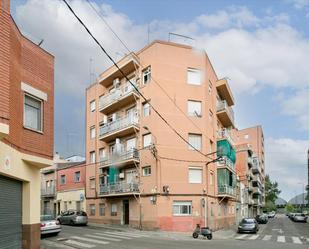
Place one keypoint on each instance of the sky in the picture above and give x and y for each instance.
(261, 46)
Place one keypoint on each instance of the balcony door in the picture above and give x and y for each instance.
(131, 175)
(131, 144)
(131, 114)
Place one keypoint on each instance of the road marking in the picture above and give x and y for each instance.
(113, 236)
(131, 234)
(101, 237)
(90, 240)
(296, 240)
(241, 236)
(76, 243)
(253, 237)
(267, 237)
(281, 239)
(124, 234)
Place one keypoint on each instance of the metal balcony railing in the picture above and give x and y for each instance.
(256, 165)
(226, 162)
(118, 188)
(120, 92)
(250, 161)
(223, 106)
(225, 134)
(226, 190)
(49, 191)
(120, 157)
(118, 124)
(257, 202)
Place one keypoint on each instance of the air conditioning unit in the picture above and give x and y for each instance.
(121, 175)
(116, 82)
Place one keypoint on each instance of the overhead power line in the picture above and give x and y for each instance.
(133, 85)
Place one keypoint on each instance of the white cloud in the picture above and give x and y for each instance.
(299, 4)
(286, 162)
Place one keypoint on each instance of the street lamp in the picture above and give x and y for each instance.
(303, 194)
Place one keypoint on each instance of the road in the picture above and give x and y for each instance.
(279, 233)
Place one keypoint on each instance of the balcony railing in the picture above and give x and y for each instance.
(119, 188)
(225, 134)
(49, 191)
(132, 154)
(223, 106)
(256, 166)
(257, 202)
(226, 162)
(118, 124)
(226, 190)
(118, 94)
(250, 161)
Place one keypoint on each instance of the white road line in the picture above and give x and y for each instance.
(90, 240)
(101, 237)
(76, 243)
(113, 235)
(296, 240)
(253, 237)
(281, 239)
(125, 234)
(308, 240)
(132, 234)
(241, 236)
(267, 237)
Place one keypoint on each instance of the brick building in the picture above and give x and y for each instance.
(26, 131)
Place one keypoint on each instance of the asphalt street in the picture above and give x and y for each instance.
(278, 233)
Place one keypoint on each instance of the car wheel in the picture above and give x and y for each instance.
(71, 223)
(59, 221)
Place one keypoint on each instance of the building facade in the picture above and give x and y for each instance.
(139, 172)
(26, 132)
(71, 186)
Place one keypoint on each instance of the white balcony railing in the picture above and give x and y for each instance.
(48, 191)
(118, 188)
(223, 106)
(132, 154)
(226, 190)
(256, 165)
(226, 162)
(225, 134)
(120, 92)
(118, 124)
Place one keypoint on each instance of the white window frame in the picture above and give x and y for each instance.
(192, 171)
(177, 206)
(193, 79)
(102, 153)
(92, 158)
(147, 170)
(41, 113)
(146, 109)
(147, 137)
(92, 106)
(102, 206)
(146, 72)
(196, 112)
(114, 211)
(193, 135)
(92, 132)
(92, 209)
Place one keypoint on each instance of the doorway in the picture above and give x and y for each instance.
(126, 213)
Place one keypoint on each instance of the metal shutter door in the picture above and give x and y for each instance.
(10, 213)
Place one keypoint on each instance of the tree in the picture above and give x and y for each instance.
(289, 208)
(271, 190)
(270, 206)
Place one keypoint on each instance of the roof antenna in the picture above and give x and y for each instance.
(40, 43)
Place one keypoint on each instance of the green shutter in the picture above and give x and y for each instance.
(113, 174)
(224, 148)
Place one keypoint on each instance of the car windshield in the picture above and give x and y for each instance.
(247, 221)
(47, 217)
(81, 213)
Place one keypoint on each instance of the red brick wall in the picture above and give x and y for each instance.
(69, 173)
(32, 65)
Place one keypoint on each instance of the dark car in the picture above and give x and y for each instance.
(73, 217)
(248, 225)
(262, 218)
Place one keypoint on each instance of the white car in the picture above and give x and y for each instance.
(49, 225)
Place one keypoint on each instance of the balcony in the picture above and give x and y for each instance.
(257, 178)
(257, 202)
(250, 161)
(119, 188)
(225, 91)
(226, 191)
(257, 191)
(226, 163)
(250, 187)
(127, 65)
(121, 97)
(225, 114)
(48, 192)
(123, 158)
(225, 134)
(119, 128)
(256, 169)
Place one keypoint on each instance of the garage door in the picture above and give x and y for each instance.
(10, 213)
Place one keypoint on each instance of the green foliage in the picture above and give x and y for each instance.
(269, 206)
(271, 190)
(289, 208)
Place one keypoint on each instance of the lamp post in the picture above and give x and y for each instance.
(303, 195)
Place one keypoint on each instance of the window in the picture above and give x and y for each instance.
(194, 108)
(195, 175)
(196, 141)
(102, 209)
(147, 171)
(246, 136)
(146, 75)
(182, 208)
(114, 209)
(92, 157)
(62, 179)
(194, 76)
(92, 183)
(33, 113)
(92, 132)
(147, 140)
(102, 154)
(146, 109)
(77, 176)
(92, 209)
(210, 87)
(92, 106)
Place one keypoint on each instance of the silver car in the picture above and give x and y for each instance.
(300, 218)
(73, 217)
(49, 225)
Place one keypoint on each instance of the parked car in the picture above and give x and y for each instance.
(300, 217)
(291, 216)
(73, 217)
(49, 225)
(272, 214)
(262, 218)
(248, 225)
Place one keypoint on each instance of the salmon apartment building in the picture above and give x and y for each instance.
(26, 132)
(138, 171)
